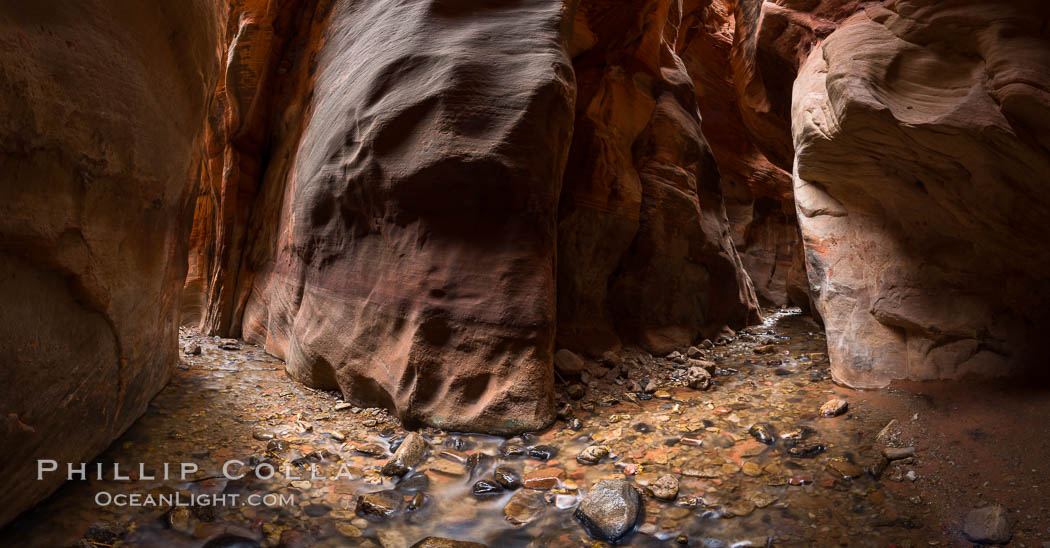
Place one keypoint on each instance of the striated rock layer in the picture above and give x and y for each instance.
(101, 106)
(758, 197)
(644, 251)
(921, 161)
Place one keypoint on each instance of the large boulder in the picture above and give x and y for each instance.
(921, 160)
(610, 510)
(101, 108)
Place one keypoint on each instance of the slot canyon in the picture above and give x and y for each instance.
(462, 273)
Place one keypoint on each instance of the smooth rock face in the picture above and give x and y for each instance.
(100, 116)
(413, 256)
(610, 510)
(920, 161)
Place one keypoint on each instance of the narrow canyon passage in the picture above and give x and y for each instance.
(816, 480)
(524, 272)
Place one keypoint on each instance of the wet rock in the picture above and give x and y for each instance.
(763, 499)
(391, 538)
(231, 541)
(378, 505)
(408, 454)
(263, 435)
(104, 532)
(698, 378)
(347, 530)
(230, 344)
(342, 406)
(664, 488)
(567, 362)
(507, 477)
(794, 437)
(740, 509)
(370, 449)
(662, 395)
(765, 349)
(316, 510)
(193, 349)
(524, 507)
(576, 391)
(576, 424)
(844, 468)
(898, 453)
(988, 525)
(178, 518)
(751, 469)
(544, 478)
(694, 440)
(478, 463)
(438, 542)
(415, 483)
(512, 448)
(762, 433)
(694, 353)
(454, 456)
(294, 538)
(486, 488)
(800, 479)
(593, 454)
(610, 510)
(834, 408)
(448, 468)
(417, 502)
(543, 452)
(807, 450)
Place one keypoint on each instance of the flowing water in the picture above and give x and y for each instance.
(235, 408)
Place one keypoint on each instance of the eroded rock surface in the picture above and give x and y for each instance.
(644, 252)
(759, 202)
(413, 263)
(921, 156)
(386, 218)
(100, 114)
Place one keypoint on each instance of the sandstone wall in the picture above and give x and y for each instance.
(413, 258)
(388, 220)
(759, 202)
(644, 253)
(921, 162)
(101, 109)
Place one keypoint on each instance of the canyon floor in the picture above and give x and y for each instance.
(819, 481)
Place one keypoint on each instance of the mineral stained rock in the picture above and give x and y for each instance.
(921, 153)
(101, 110)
